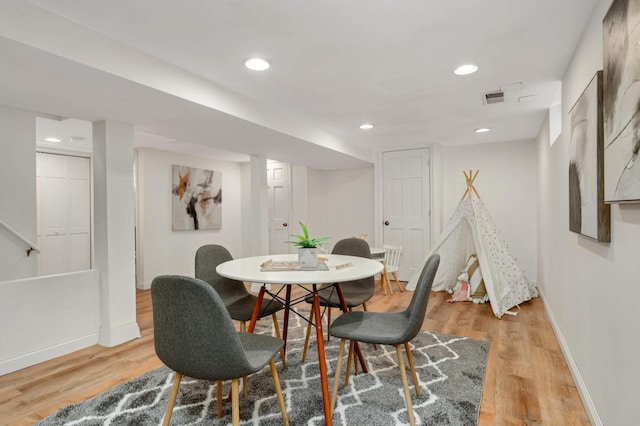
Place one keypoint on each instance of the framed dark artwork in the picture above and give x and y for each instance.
(196, 199)
(621, 30)
(588, 213)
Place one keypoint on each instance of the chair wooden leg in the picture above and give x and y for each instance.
(383, 284)
(336, 379)
(350, 359)
(387, 281)
(306, 337)
(276, 383)
(405, 385)
(328, 323)
(219, 386)
(412, 368)
(172, 399)
(395, 277)
(245, 390)
(355, 362)
(235, 402)
(277, 331)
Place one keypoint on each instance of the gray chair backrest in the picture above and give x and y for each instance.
(356, 247)
(193, 332)
(417, 308)
(208, 257)
(352, 247)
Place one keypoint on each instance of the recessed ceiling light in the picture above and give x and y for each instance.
(257, 64)
(54, 140)
(366, 126)
(482, 130)
(466, 69)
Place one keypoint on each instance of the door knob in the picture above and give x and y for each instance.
(386, 222)
(285, 224)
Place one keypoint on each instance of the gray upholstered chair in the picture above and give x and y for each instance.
(387, 328)
(194, 336)
(355, 293)
(237, 299)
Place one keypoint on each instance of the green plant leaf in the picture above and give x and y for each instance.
(304, 240)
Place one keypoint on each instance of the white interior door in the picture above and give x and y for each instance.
(64, 213)
(278, 192)
(407, 206)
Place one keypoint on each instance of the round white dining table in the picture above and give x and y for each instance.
(249, 269)
(340, 270)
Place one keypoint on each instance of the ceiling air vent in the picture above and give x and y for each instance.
(493, 97)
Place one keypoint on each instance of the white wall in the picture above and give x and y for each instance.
(18, 206)
(507, 184)
(40, 317)
(46, 317)
(590, 289)
(163, 251)
(341, 204)
(317, 199)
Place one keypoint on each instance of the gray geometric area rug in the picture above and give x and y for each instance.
(450, 371)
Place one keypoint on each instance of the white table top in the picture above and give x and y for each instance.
(248, 269)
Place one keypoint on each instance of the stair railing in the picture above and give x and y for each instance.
(32, 247)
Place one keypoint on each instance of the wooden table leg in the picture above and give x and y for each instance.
(321, 358)
(343, 303)
(285, 325)
(256, 310)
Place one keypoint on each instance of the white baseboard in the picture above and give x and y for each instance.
(41, 355)
(590, 407)
(114, 336)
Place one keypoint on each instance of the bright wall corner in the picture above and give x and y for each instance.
(555, 118)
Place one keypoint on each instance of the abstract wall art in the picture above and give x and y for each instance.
(621, 31)
(197, 199)
(588, 213)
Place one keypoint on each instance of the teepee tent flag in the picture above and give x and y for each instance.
(472, 231)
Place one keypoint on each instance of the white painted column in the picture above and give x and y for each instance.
(259, 207)
(259, 210)
(114, 231)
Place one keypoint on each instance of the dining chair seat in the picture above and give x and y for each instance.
(355, 293)
(387, 328)
(194, 335)
(237, 299)
(239, 302)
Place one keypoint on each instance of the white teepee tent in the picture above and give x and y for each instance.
(472, 231)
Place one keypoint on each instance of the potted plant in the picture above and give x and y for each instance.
(307, 247)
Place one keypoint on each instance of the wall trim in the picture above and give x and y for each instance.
(583, 391)
(115, 336)
(35, 357)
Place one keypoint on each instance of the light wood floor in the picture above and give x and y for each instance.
(527, 380)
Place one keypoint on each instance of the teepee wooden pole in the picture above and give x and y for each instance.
(469, 178)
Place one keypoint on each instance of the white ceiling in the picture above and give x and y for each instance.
(174, 69)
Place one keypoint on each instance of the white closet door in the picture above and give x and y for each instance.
(407, 206)
(278, 193)
(64, 213)
(79, 213)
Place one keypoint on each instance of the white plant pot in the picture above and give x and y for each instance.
(307, 257)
